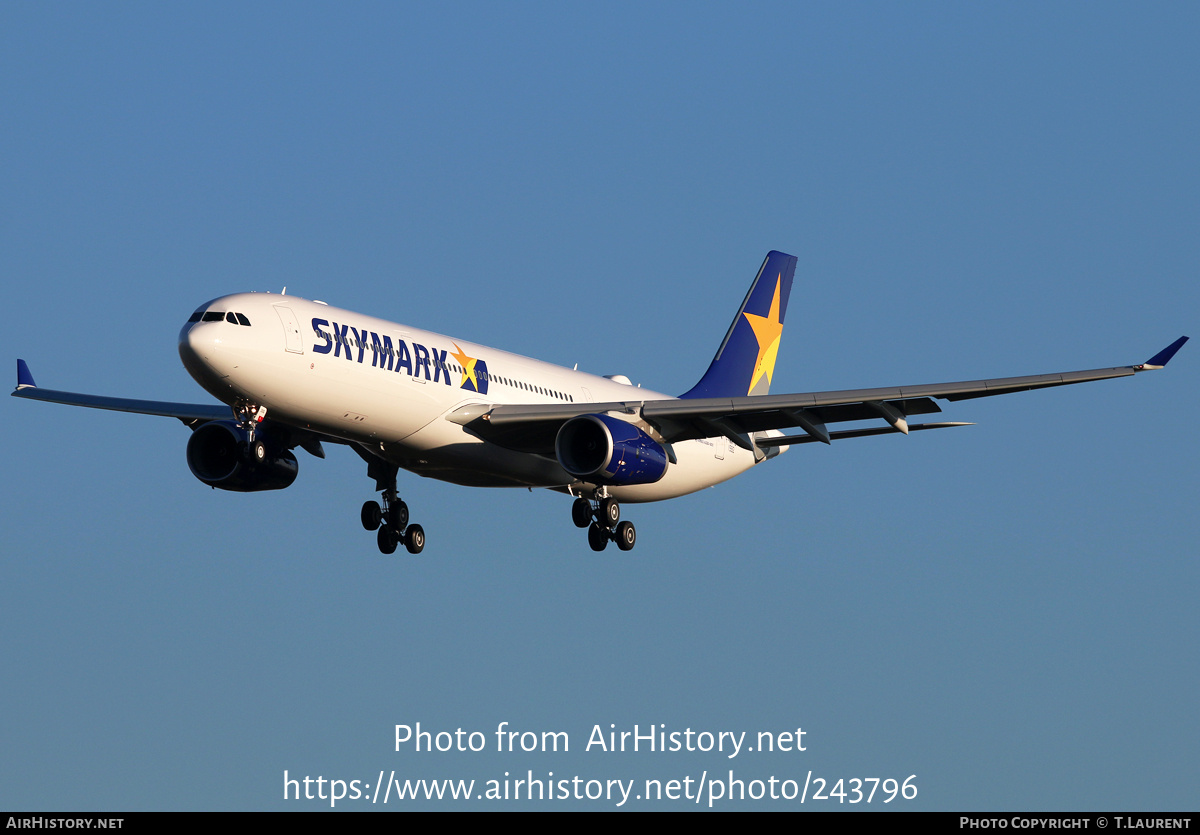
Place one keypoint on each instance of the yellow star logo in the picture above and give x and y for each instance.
(767, 330)
(468, 366)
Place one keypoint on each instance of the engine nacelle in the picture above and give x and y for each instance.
(217, 455)
(604, 450)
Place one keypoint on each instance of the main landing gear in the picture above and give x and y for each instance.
(390, 520)
(603, 521)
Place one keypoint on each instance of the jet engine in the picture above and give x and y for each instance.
(605, 450)
(220, 454)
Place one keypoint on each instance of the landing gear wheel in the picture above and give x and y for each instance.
(257, 451)
(371, 515)
(598, 537)
(610, 512)
(414, 539)
(388, 540)
(625, 536)
(398, 515)
(581, 513)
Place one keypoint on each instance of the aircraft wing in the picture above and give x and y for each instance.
(533, 428)
(192, 414)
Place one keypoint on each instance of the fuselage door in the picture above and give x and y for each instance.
(291, 329)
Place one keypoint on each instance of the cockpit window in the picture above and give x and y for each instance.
(230, 318)
(242, 320)
(214, 316)
(195, 317)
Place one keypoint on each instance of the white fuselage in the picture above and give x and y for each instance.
(390, 388)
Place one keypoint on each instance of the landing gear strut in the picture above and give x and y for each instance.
(390, 519)
(248, 416)
(603, 523)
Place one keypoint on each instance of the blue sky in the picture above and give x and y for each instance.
(1006, 610)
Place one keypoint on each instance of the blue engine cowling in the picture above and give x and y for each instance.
(217, 455)
(605, 450)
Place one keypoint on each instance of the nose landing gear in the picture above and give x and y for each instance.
(603, 523)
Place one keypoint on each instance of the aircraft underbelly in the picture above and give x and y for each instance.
(442, 450)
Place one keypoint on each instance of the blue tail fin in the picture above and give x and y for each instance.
(745, 361)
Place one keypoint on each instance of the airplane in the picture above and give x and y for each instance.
(297, 373)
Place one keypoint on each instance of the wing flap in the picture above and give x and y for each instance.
(792, 440)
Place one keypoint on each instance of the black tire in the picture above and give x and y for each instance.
(371, 515)
(387, 540)
(598, 537)
(414, 539)
(625, 536)
(398, 515)
(257, 451)
(610, 512)
(581, 513)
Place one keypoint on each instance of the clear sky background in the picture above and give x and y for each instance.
(1007, 611)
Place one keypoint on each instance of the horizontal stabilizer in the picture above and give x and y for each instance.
(792, 440)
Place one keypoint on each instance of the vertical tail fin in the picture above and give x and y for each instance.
(745, 361)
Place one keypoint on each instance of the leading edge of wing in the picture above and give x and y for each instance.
(532, 426)
(732, 407)
(186, 412)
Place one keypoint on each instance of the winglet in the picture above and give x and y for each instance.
(1162, 357)
(24, 378)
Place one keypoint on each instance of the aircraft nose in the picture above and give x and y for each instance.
(188, 343)
(197, 344)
